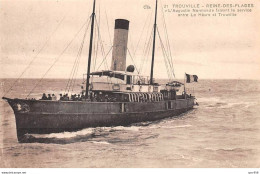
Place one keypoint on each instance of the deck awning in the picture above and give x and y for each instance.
(115, 74)
(101, 73)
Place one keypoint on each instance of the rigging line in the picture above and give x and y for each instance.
(165, 61)
(164, 56)
(103, 52)
(96, 40)
(146, 55)
(146, 40)
(73, 84)
(133, 61)
(163, 46)
(141, 33)
(147, 45)
(96, 46)
(74, 71)
(99, 37)
(131, 55)
(146, 50)
(95, 43)
(130, 41)
(167, 68)
(57, 58)
(130, 38)
(104, 58)
(35, 57)
(147, 33)
(169, 52)
(81, 45)
(79, 56)
(101, 44)
(73, 77)
(165, 27)
(167, 39)
(75, 62)
(108, 29)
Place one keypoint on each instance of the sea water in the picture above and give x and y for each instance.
(223, 131)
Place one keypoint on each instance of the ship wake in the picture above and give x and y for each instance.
(83, 135)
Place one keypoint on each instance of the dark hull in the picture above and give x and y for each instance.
(40, 117)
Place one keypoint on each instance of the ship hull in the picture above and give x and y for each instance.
(59, 116)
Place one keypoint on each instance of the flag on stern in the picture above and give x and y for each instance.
(191, 78)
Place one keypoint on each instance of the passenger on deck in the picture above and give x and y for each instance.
(79, 98)
(53, 97)
(44, 97)
(49, 97)
(82, 96)
(61, 98)
(74, 97)
(66, 97)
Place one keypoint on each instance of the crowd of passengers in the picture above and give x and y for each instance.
(108, 98)
(65, 97)
(98, 98)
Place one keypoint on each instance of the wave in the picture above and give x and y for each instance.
(229, 149)
(215, 102)
(169, 126)
(87, 131)
(100, 142)
(242, 104)
(125, 128)
(249, 104)
(228, 105)
(78, 136)
(64, 135)
(209, 99)
(182, 126)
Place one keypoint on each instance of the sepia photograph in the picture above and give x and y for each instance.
(130, 84)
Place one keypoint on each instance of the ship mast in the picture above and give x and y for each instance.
(154, 34)
(90, 48)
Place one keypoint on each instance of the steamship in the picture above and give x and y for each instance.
(118, 96)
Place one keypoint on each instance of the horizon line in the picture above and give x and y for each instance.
(155, 78)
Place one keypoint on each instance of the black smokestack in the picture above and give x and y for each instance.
(120, 45)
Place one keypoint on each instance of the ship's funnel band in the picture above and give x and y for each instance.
(121, 24)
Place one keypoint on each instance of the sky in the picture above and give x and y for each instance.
(210, 47)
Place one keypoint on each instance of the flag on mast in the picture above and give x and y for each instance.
(191, 78)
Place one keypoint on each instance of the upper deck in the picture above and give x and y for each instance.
(122, 81)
